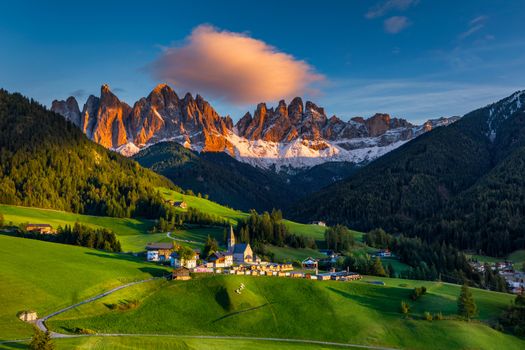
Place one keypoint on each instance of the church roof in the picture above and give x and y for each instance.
(240, 248)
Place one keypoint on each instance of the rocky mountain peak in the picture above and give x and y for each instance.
(68, 108)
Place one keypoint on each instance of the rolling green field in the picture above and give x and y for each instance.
(363, 313)
(44, 277)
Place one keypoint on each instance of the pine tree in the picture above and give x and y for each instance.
(466, 305)
(377, 268)
(41, 340)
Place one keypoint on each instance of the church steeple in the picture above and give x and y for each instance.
(231, 239)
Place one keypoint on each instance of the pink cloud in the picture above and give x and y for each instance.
(235, 67)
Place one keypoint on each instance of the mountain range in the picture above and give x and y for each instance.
(290, 136)
(462, 184)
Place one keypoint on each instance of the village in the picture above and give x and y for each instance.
(238, 259)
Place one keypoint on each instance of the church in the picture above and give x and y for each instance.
(242, 252)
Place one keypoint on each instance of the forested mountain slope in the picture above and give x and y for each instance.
(462, 183)
(47, 162)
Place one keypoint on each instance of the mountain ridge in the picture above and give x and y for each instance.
(296, 135)
(462, 185)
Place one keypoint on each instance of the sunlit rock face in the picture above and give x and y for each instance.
(294, 135)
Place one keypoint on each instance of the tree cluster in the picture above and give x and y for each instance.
(80, 235)
(514, 317)
(433, 261)
(339, 238)
(269, 228)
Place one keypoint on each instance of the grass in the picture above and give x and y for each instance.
(131, 232)
(517, 258)
(396, 264)
(204, 205)
(46, 276)
(179, 343)
(291, 254)
(356, 312)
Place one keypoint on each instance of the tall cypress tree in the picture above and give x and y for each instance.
(466, 305)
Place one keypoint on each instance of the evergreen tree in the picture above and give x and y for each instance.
(466, 305)
(377, 268)
(41, 340)
(211, 246)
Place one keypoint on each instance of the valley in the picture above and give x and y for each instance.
(271, 175)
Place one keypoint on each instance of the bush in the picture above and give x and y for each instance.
(405, 308)
(84, 331)
(417, 292)
(427, 315)
(438, 316)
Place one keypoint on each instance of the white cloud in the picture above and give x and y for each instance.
(395, 24)
(415, 100)
(385, 7)
(475, 25)
(234, 67)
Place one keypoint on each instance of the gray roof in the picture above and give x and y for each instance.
(240, 248)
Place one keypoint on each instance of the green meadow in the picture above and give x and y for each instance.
(179, 343)
(346, 312)
(45, 277)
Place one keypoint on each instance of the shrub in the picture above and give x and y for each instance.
(417, 292)
(405, 308)
(428, 316)
(438, 316)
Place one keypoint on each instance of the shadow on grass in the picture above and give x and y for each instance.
(153, 271)
(240, 312)
(386, 299)
(13, 345)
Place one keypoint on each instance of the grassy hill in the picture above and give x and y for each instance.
(363, 313)
(46, 276)
(314, 231)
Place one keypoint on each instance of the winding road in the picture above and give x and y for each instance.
(41, 324)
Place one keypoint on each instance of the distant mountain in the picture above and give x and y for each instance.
(47, 162)
(236, 184)
(462, 184)
(288, 137)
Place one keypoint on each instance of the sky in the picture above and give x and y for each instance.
(414, 59)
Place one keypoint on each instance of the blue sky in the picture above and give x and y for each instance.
(413, 59)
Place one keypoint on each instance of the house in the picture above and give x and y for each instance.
(176, 261)
(181, 274)
(40, 228)
(159, 251)
(384, 253)
(221, 259)
(319, 223)
(309, 263)
(242, 252)
(178, 204)
(28, 316)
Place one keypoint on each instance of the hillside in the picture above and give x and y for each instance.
(34, 275)
(300, 309)
(236, 184)
(46, 161)
(223, 178)
(464, 178)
